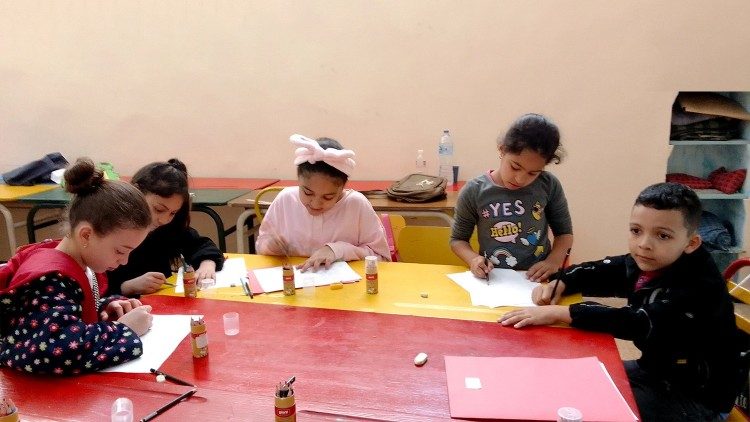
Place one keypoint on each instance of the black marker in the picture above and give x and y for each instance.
(168, 406)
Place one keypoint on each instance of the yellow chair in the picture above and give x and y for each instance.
(258, 201)
(740, 291)
(429, 245)
(397, 224)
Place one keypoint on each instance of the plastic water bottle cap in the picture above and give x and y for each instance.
(569, 414)
(122, 410)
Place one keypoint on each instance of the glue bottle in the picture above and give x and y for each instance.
(8, 411)
(188, 282)
(198, 337)
(288, 275)
(371, 274)
(285, 409)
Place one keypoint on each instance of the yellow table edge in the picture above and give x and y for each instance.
(11, 193)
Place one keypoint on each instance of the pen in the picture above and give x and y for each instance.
(244, 287)
(247, 285)
(554, 289)
(487, 263)
(171, 378)
(168, 406)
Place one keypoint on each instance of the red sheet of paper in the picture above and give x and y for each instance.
(533, 389)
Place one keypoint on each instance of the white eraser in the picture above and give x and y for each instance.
(161, 378)
(420, 359)
(473, 383)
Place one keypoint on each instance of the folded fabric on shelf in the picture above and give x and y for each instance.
(693, 182)
(715, 232)
(727, 181)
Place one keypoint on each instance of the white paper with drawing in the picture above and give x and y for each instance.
(167, 331)
(270, 279)
(230, 274)
(505, 288)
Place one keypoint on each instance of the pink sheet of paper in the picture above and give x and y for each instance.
(533, 389)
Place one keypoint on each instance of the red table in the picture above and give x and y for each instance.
(348, 365)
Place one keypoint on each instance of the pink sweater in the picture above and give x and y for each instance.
(351, 228)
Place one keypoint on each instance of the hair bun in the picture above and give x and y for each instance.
(83, 177)
(179, 165)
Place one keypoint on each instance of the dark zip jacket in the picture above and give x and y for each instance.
(160, 249)
(682, 321)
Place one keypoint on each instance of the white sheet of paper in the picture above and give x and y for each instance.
(270, 279)
(505, 288)
(167, 331)
(231, 272)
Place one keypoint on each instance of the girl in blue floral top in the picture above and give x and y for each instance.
(52, 319)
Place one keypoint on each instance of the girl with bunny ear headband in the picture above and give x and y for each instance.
(319, 218)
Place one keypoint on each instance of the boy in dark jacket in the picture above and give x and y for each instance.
(679, 313)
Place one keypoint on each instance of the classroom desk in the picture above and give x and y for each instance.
(442, 209)
(349, 366)
(202, 201)
(10, 194)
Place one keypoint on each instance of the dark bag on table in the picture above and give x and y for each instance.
(418, 188)
(36, 172)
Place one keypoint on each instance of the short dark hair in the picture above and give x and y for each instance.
(107, 205)
(673, 196)
(306, 169)
(166, 179)
(535, 132)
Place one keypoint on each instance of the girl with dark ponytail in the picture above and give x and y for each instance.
(165, 187)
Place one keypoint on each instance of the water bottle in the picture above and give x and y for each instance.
(420, 163)
(445, 155)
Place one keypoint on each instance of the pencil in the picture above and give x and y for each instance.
(171, 378)
(168, 406)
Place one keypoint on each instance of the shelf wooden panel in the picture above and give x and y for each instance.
(717, 194)
(712, 143)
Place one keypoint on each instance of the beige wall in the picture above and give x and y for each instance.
(222, 84)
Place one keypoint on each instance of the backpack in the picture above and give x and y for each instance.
(37, 171)
(418, 188)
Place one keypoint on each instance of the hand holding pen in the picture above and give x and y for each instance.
(481, 266)
(548, 293)
(488, 266)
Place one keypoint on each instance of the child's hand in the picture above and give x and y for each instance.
(143, 285)
(542, 270)
(117, 308)
(322, 257)
(206, 270)
(542, 294)
(480, 266)
(139, 319)
(543, 315)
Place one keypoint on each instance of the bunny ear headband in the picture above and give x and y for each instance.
(310, 150)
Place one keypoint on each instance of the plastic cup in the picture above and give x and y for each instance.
(122, 410)
(206, 283)
(231, 323)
